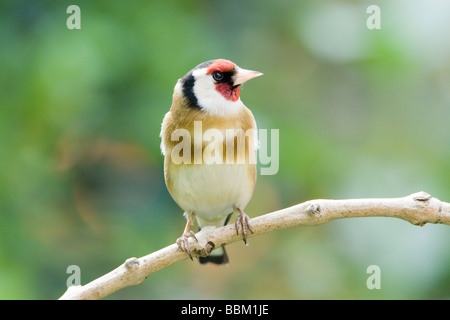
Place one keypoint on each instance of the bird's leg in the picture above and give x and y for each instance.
(242, 221)
(182, 241)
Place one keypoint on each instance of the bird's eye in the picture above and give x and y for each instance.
(217, 76)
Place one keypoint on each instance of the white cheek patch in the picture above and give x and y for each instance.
(210, 100)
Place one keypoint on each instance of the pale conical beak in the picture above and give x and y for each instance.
(243, 75)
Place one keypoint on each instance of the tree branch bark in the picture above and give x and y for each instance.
(419, 208)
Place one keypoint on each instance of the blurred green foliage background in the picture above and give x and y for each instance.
(361, 113)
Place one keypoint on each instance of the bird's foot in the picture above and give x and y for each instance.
(183, 242)
(242, 221)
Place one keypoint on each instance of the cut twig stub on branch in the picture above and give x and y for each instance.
(313, 209)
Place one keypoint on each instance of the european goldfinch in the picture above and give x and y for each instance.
(207, 112)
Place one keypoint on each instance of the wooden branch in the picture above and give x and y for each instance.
(419, 208)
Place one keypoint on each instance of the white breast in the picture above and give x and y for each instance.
(213, 191)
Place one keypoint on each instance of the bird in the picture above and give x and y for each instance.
(207, 99)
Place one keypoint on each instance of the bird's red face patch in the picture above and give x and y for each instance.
(221, 65)
(226, 89)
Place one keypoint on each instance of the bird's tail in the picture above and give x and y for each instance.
(218, 256)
